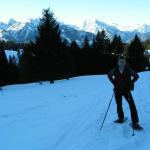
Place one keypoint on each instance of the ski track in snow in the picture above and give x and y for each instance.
(68, 115)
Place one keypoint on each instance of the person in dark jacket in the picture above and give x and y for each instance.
(123, 79)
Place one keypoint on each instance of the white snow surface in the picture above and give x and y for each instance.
(127, 27)
(12, 54)
(67, 115)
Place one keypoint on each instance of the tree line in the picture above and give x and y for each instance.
(50, 57)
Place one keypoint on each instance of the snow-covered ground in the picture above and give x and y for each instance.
(14, 54)
(67, 115)
(11, 53)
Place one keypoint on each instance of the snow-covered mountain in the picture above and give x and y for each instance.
(123, 27)
(11, 22)
(68, 114)
(20, 31)
(143, 28)
(95, 25)
(27, 31)
(127, 33)
(74, 33)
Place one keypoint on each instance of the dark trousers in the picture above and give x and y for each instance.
(129, 99)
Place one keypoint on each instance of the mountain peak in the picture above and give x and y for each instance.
(11, 22)
(24, 32)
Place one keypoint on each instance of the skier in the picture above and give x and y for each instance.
(123, 78)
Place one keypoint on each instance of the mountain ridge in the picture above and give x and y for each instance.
(27, 31)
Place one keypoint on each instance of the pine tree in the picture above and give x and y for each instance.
(3, 68)
(48, 46)
(117, 45)
(101, 42)
(136, 48)
(86, 45)
(45, 59)
(136, 54)
(147, 44)
(29, 64)
(74, 45)
(49, 33)
(67, 61)
(13, 70)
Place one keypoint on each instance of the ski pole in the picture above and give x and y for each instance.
(133, 134)
(107, 111)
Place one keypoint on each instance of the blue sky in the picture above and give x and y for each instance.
(73, 11)
(22, 10)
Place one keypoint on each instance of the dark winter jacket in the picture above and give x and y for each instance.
(125, 81)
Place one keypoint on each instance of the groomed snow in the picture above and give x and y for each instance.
(67, 115)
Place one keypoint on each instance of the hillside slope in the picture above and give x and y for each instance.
(67, 115)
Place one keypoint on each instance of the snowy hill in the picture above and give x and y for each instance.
(67, 115)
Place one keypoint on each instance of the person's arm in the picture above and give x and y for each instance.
(134, 75)
(111, 75)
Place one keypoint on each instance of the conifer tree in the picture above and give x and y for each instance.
(147, 45)
(101, 42)
(48, 44)
(3, 68)
(13, 70)
(86, 45)
(74, 45)
(117, 45)
(136, 54)
(2, 45)
(44, 59)
(136, 48)
(28, 65)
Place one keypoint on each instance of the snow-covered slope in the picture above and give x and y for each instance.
(127, 32)
(129, 27)
(67, 115)
(14, 55)
(11, 53)
(95, 25)
(11, 22)
(20, 31)
(143, 28)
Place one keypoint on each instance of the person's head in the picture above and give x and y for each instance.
(121, 61)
